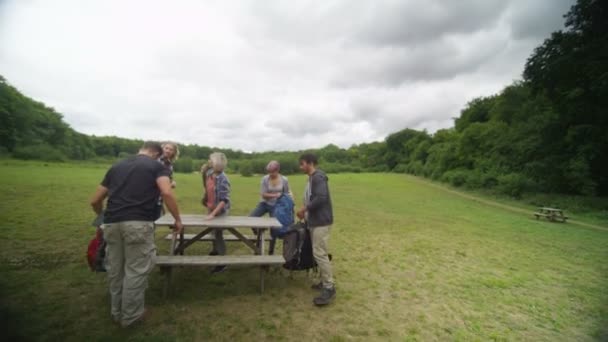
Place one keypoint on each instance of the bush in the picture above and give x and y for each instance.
(473, 179)
(377, 168)
(289, 166)
(4, 152)
(489, 180)
(246, 169)
(197, 165)
(513, 184)
(415, 168)
(39, 152)
(183, 165)
(400, 168)
(456, 177)
(340, 168)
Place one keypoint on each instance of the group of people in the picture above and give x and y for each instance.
(140, 187)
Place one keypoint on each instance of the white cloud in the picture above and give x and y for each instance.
(261, 75)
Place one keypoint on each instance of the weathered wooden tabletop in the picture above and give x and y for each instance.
(225, 221)
(549, 209)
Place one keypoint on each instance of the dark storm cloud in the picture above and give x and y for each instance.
(443, 59)
(406, 23)
(302, 123)
(537, 19)
(392, 42)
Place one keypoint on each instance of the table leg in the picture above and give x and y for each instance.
(271, 246)
(184, 244)
(254, 246)
(166, 270)
(172, 246)
(261, 252)
(261, 241)
(181, 241)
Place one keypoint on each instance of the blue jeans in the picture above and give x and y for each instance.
(261, 209)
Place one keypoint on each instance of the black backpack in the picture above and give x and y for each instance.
(297, 248)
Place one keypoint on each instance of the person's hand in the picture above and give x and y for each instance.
(277, 195)
(301, 213)
(178, 227)
(209, 217)
(173, 184)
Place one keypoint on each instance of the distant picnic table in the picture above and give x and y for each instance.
(551, 214)
(203, 231)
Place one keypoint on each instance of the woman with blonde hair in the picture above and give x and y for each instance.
(216, 187)
(169, 156)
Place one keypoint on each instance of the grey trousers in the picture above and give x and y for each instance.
(320, 246)
(219, 244)
(130, 257)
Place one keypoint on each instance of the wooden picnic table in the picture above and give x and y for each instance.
(205, 227)
(551, 214)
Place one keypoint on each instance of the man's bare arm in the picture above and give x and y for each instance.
(164, 184)
(97, 201)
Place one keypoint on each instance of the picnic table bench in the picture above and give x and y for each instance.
(227, 237)
(551, 214)
(206, 228)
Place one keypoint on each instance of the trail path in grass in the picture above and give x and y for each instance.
(496, 204)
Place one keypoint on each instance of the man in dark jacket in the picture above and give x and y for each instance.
(319, 214)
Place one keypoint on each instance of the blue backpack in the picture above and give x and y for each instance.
(283, 212)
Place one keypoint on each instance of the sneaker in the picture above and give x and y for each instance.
(318, 286)
(326, 297)
(218, 269)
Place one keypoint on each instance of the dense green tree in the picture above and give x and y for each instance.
(571, 69)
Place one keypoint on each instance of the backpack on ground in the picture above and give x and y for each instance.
(96, 252)
(297, 248)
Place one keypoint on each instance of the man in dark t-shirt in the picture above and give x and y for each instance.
(133, 187)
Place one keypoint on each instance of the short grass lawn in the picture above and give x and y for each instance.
(412, 262)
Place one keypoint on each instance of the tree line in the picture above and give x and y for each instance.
(545, 133)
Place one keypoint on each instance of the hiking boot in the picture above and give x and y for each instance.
(326, 297)
(138, 321)
(318, 286)
(218, 269)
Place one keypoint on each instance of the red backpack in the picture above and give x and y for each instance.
(96, 252)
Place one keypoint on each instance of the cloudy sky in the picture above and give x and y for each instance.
(262, 75)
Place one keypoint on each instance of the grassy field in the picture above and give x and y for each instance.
(412, 262)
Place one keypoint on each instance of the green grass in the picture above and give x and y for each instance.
(412, 262)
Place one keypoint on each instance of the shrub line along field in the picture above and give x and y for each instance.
(412, 261)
